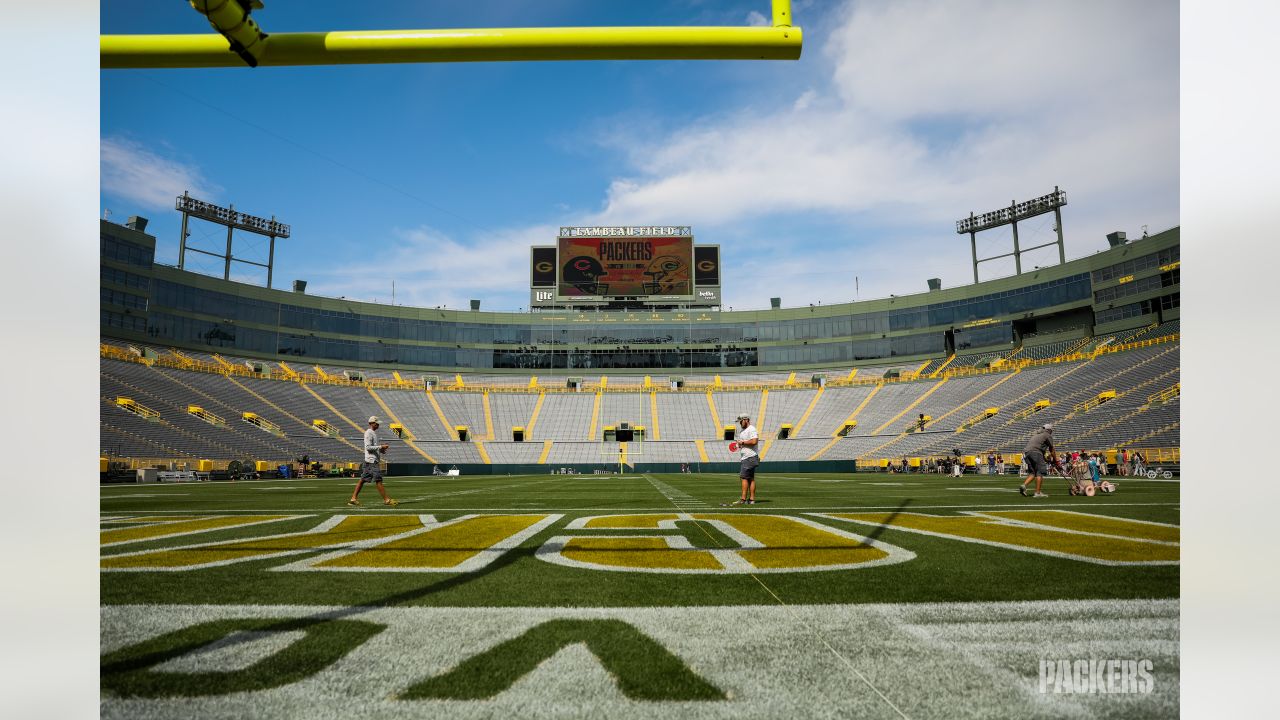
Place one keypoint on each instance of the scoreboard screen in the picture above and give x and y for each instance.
(625, 265)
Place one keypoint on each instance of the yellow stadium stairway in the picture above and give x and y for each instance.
(908, 408)
(887, 449)
(943, 366)
(209, 399)
(595, 416)
(702, 450)
(488, 418)
(1039, 390)
(533, 420)
(290, 415)
(715, 415)
(975, 398)
(448, 426)
(808, 411)
(835, 436)
(334, 410)
(759, 422)
(484, 455)
(395, 421)
(546, 450)
(653, 413)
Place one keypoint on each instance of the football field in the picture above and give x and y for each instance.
(638, 596)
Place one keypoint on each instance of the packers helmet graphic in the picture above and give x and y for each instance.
(664, 273)
(584, 273)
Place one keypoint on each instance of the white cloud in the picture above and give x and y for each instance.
(755, 19)
(431, 269)
(132, 172)
(922, 110)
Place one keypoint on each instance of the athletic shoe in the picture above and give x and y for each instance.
(751, 502)
(1040, 495)
(353, 502)
(1022, 489)
(391, 502)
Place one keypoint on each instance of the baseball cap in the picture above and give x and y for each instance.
(744, 417)
(1048, 426)
(374, 419)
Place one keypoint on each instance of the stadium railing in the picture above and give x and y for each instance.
(191, 364)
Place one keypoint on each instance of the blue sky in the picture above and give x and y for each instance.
(854, 161)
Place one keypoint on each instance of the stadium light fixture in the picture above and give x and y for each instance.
(1016, 211)
(242, 42)
(233, 220)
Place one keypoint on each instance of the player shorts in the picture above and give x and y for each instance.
(1036, 463)
(370, 472)
(748, 469)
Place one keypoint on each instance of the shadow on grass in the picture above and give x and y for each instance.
(128, 670)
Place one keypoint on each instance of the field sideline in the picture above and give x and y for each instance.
(866, 595)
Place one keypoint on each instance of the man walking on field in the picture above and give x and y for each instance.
(370, 471)
(748, 440)
(1034, 455)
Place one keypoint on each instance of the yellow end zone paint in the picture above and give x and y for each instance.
(789, 544)
(1071, 536)
(445, 547)
(347, 530)
(762, 544)
(164, 527)
(1098, 524)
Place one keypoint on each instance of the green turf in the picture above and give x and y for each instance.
(944, 570)
(517, 637)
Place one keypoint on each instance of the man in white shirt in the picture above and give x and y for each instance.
(370, 470)
(748, 442)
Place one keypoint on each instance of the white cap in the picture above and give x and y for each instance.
(1048, 426)
(374, 419)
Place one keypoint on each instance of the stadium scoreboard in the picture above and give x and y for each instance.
(633, 265)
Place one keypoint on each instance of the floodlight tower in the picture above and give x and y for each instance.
(228, 216)
(1016, 211)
